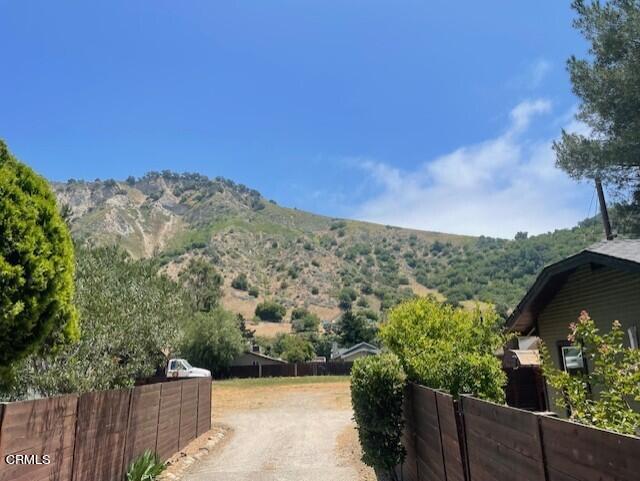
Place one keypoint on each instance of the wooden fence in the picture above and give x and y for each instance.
(475, 440)
(334, 368)
(94, 436)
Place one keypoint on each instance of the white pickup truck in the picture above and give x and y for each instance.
(182, 368)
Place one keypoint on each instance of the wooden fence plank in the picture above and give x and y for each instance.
(101, 433)
(242, 372)
(40, 427)
(188, 412)
(204, 406)
(575, 452)
(502, 442)
(169, 419)
(142, 431)
(409, 469)
(427, 435)
(451, 448)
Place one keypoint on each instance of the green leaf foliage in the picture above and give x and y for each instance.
(130, 317)
(377, 393)
(203, 283)
(293, 348)
(607, 85)
(212, 340)
(145, 467)
(446, 348)
(36, 264)
(240, 282)
(270, 311)
(602, 396)
(304, 321)
(357, 326)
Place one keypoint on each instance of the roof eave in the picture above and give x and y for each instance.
(517, 323)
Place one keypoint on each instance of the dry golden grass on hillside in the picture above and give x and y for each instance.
(270, 329)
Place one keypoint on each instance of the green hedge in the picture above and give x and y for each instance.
(377, 390)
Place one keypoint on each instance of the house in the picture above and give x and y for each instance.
(349, 354)
(603, 279)
(256, 358)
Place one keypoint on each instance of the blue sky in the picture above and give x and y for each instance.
(429, 114)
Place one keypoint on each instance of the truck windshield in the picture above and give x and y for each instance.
(186, 364)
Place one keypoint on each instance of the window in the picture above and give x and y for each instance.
(572, 358)
(172, 365)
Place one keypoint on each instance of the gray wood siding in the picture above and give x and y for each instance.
(607, 294)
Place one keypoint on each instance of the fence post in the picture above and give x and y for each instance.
(444, 462)
(542, 450)
(1, 419)
(462, 438)
(413, 427)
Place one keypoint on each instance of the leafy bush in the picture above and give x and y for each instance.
(377, 388)
(447, 348)
(145, 467)
(315, 291)
(293, 348)
(299, 313)
(309, 322)
(270, 311)
(346, 296)
(213, 340)
(240, 282)
(36, 264)
(253, 291)
(614, 372)
(203, 284)
(355, 327)
(125, 327)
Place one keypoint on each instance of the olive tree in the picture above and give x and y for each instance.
(130, 319)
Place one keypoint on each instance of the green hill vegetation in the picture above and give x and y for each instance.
(298, 259)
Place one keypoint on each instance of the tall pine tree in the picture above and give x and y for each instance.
(608, 85)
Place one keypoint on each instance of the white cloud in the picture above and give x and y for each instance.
(537, 72)
(498, 187)
(532, 75)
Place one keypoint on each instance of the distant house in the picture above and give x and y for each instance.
(603, 279)
(352, 353)
(256, 358)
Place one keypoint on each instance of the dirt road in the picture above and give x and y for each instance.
(283, 432)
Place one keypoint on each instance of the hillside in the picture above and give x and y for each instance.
(298, 258)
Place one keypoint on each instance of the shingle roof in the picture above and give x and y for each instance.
(349, 350)
(627, 249)
(264, 356)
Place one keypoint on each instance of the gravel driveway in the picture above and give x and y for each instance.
(283, 433)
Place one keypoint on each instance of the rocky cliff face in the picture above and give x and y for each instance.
(294, 256)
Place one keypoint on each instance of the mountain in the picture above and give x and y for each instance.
(299, 258)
